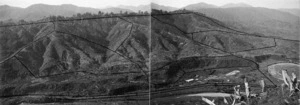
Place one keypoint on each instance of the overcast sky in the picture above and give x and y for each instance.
(174, 3)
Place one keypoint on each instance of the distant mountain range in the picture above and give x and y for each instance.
(188, 7)
(39, 11)
(292, 11)
(148, 7)
(205, 5)
(199, 6)
(231, 5)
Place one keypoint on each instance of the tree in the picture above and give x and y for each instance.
(100, 13)
(22, 21)
(140, 12)
(146, 13)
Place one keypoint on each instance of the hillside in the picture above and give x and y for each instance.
(96, 58)
(75, 58)
(189, 35)
(193, 49)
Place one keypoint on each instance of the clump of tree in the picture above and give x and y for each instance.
(262, 58)
(155, 11)
(265, 57)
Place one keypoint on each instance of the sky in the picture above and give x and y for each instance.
(174, 3)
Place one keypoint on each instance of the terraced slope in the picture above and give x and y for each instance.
(187, 43)
(74, 58)
(115, 58)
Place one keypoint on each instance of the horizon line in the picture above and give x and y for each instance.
(217, 6)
